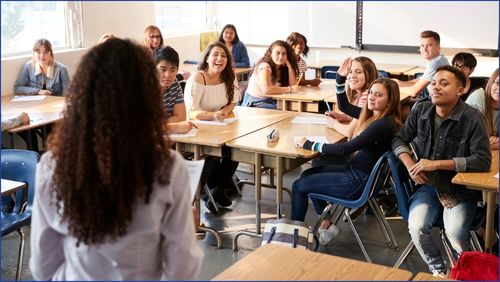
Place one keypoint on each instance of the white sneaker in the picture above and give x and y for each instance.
(437, 273)
(326, 235)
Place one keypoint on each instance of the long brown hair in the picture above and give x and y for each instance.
(393, 109)
(110, 146)
(227, 74)
(283, 69)
(488, 102)
(370, 72)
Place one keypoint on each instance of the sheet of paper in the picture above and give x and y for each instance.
(310, 120)
(191, 133)
(496, 176)
(321, 139)
(194, 169)
(215, 122)
(28, 98)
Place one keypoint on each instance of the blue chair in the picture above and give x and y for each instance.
(191, 62)
(424, 95)
(404, 187)
(19, 165)
(329, 72)
(376, 180)
(383, 73)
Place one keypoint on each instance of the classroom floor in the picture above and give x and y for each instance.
(241, 215)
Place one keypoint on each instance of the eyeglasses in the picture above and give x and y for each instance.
(461, 67)
(155, 36)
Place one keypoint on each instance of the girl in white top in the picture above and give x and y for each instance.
(211, 94)
(299, 46)
(112, 200)
(276, 73)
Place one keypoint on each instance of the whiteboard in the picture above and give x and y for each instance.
(460, 24)
(324, 24)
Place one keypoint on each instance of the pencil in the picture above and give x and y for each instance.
(300, 77)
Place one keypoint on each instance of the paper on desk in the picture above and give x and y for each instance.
(191, 133)
(194, 169)
(321, 139)
(496, 175)
(28, 98)
(310, 120)
(216, 122)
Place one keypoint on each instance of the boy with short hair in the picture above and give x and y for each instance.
(449, 137)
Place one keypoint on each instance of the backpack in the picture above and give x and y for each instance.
(476, 266)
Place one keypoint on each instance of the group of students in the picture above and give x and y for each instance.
(111, 193)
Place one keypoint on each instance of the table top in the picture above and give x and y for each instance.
(285, 146)
(10, 186)
(194, 68)
(272, 262)
(310, 93)
(249, 120)
(391, 68)
(485, 181)
(422, 276)
(41, 112)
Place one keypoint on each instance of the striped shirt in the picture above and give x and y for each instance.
(171, 96)
(301, 64)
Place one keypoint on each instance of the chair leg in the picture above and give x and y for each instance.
(474, 241)
(349, 219)
(20, 255)
(384, 225)
(236, 182)
(447, 248)
(321, 217)
(211, 198)
(404, 254)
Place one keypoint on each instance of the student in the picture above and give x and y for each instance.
(42, 75)
(105, 37)
(112, 200)
(153, 40)
(486, 101)
(449, 136)
(229, 36)
(275, 73)
(211, 94)
(21, 119)
(375, 126)
(430, 49)
(299, 46)
(466, 62)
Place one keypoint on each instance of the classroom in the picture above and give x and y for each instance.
(249, 140)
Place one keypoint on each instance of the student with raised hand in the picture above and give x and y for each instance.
(466, 62)
(211, 94)
(486, 101)
(299, 46)
(430, 48)
(449, 137)
(229, 36)
(112, 200)
(375, 126)
(275, 73)
(42, 75)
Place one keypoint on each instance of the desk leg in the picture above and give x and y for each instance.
(299, 105)
(490, 215)
(283, 105)
(279, 187)
(197, 156)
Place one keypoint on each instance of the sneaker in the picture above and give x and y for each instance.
(437, 273)
(222, 200)
(326, 235)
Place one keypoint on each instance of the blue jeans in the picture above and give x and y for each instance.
(333, 180)
(266, 103)
(425, 210)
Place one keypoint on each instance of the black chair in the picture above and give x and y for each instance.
(329, 72)
(376, 180)
(19, 165)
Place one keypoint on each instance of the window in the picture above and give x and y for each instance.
(181, 17)
(23, 22)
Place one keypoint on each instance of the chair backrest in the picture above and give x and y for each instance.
(20, 165)
(191, 62)
(383, 73)
(402, 183)
(329, 72)
(375, 181)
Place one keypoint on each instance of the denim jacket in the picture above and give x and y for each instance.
(462, 137)
(30, 81)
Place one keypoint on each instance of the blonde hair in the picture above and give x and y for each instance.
(392, 110)
(147, 41)
(47, 45)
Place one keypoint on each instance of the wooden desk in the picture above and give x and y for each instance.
(11, 186)
(281, 156)
(393, 69)
(272, 262)
(422, 276)
(488, 183)
(239, 72)
(308, 99)
(210, 139)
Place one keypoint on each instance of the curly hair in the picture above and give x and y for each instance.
(227, 74)
(110, 147)
(283, 69)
